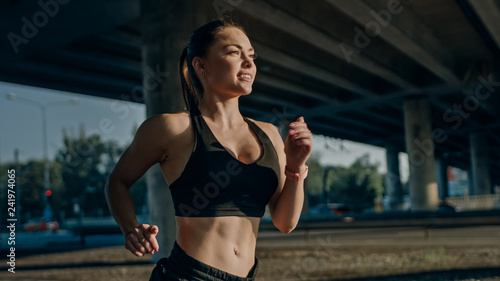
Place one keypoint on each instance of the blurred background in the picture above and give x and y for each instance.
(402, 98)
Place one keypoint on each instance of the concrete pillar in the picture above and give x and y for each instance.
(481, 181)
(420, 149)
(393, 179)
(470, 181)
(166, 28)
(324, 192)
(442, 177)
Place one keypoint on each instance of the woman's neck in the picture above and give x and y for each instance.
(226, 112)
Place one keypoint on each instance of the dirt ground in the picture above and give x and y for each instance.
(306, 263)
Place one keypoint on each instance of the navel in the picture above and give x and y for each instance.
(235, 249)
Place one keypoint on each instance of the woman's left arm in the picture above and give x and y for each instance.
(286, 204)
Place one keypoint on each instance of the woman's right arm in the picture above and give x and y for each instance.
(148, 147)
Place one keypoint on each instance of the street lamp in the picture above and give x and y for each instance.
(43, 108)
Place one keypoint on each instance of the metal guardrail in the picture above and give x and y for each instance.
(475, 202)
(396, 219)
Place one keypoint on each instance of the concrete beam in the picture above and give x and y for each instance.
(67, 75)
(116, 66)
(432, 92)
(289, 24)
(356, 124)
(293, 64)
(489, 12)
(316, 127)
(269, 81)
(72, 87)
(260, 96)
(60, 26)
(399, 37)
(469, 127)
(114, 44)
(403, 33)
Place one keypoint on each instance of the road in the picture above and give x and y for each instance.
(397, 253)
(385, 236)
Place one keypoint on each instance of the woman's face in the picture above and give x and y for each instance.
(229, 64)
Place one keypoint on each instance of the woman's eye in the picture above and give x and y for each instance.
(234, 52)
(253, 56)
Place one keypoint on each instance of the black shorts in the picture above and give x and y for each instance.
(179, 266)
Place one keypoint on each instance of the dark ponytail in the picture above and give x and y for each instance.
(188, 91)
(198, 45)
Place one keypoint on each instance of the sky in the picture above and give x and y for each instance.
(21, 126)
(21, 123)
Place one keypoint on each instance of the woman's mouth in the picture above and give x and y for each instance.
(245, 77)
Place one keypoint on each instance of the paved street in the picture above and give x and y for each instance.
(390, 236)
(383, 253)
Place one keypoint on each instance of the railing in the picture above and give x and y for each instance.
(476, 202)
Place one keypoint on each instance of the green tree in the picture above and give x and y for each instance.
(86, 162)
(81, 168)
(83, 172)
(315, 175)
(357, 185)
(314, 180)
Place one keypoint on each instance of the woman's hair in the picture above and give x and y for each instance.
(198, 45)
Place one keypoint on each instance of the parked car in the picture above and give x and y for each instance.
(39, 224)
(330, 208)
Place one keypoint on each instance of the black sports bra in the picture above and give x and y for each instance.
(214, 183)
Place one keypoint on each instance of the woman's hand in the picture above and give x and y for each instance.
(298, 144)
(142, 240)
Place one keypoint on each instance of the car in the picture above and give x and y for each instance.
(39, 224)
(329, 208)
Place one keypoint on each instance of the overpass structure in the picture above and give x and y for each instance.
(414, 76)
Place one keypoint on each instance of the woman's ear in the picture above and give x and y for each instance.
(198, 65)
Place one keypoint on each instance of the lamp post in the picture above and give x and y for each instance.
(43, 109)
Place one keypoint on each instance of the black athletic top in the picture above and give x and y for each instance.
(215, 184)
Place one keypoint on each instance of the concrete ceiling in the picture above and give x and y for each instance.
(316, 59)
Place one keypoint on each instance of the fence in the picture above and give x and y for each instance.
(476, 202)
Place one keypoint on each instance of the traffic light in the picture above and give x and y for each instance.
(48, 196)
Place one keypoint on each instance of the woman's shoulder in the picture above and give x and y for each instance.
(161, 132)
(268, 128)
(168, 123)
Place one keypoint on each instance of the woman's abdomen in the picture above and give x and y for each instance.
(227, 243)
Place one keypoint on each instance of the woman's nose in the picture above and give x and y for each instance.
(247, 61)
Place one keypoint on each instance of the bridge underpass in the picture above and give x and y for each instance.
(410, 76)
